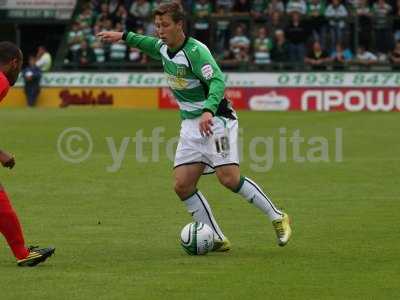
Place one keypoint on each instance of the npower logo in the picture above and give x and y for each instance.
(351, 100)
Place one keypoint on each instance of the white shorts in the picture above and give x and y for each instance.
(217, 150)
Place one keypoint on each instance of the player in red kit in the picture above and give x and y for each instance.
(10, 67)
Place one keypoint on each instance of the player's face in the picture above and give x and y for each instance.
(15, 69)
(167, 30)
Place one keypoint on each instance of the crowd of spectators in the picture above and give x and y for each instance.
(314, 32)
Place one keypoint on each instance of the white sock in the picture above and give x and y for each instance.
(200, 210)
(253, 193)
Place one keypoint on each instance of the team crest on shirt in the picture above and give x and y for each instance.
(180, 71)
(207, 71)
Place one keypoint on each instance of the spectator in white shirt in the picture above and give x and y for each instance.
(364, 57)
(275, 6)
(43, 59)
(296, 6)
(140, 13)
(239, 45)
(227, 4)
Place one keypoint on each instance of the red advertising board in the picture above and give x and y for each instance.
(305, 99)
(166, 99)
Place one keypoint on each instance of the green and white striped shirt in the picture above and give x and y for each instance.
(191, 72)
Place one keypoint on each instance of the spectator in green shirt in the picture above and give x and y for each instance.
(202, 9)
(262, 46)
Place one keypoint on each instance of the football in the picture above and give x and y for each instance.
(197, 238)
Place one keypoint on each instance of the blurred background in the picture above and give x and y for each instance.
(273, 52)
(242, 34)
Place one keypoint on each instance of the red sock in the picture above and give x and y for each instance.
(11, 228)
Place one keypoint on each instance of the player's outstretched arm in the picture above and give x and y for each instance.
(7, 160)
(110, 36)
(148, 44)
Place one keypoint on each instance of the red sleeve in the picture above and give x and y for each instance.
(4, 86)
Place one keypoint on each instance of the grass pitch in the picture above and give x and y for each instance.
(117, 232)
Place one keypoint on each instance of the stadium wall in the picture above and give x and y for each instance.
(369, 91)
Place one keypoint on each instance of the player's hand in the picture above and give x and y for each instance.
(110, 36)
(7, 160)
(206, 123)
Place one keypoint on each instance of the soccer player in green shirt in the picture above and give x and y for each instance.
(209, 129)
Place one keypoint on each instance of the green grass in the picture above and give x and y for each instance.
(117, 233)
